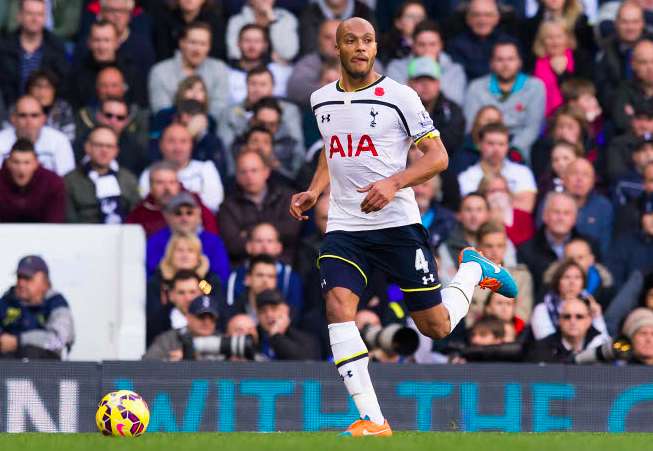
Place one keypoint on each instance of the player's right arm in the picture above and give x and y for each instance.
(301, 202)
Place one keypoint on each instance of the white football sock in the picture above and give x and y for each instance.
(458, 295)
(351, 356)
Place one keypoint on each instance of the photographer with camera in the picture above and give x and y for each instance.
(393, 343)
(199, 339)
(278, 339)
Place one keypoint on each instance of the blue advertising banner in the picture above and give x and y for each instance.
(243, 396)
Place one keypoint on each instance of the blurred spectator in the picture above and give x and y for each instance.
(192, 58)
(630, 186)
(164, 185)
(35, 321)
(627, 216)
(503, 308)
(61, 18)
(474, 211)
(397, 43)
(100, 191)
(182, 214)
(254, 46)
(438, 221)
(634, 250)
(638, 327)
(567, 124)
(468, 154)
(168, 287)
(288, 151)
(114, 113)
(580, 94)
(43, 85)
(487, 331)
(52, 147)
(316, 13)
(424, 77)
(242, 324)
(171, 18)
(576, 333)
(280, 24)
(133, 27)
(305, 77)
(637, 89)
(29, 48)
(191, 109)
(202, 318)
(519, 224)
(614, 61)
(558, 57)
(559, 213)
(279, 340)
(428, 41)
(599, 281)
(235, 123)
(494, 150)
(263, 239)
(520, 97)
(492, 241)
(595, 213)
(261, 275)
(619, 153)
(567, 284)
(29, 192)
(255, 200)
(103, 43)
(110, 83)
(473, 47)
(200, 177)
(562, 154)
(568, 12)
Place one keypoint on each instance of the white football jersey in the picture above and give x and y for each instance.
(367, 134)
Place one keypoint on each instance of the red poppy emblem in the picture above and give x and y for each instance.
(519, 107)
(379, 92)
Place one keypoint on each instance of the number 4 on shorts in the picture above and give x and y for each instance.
(421, 264)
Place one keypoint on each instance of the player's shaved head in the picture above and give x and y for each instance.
(355, 25)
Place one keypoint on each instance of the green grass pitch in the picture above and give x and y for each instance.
(327, 441)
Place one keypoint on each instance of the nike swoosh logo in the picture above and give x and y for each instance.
(366, 432)
(497, 270)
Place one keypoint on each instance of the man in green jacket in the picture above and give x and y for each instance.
(99, 191)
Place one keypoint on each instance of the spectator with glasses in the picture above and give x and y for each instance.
(575, 334)
(114, 113)
(183, 215)
(52, 147)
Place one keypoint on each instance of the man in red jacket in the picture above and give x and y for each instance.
(29, 192)
(164, 185)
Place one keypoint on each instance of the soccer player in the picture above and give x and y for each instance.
(368, 122)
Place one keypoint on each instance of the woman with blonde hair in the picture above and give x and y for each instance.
(570, 12)
(183, 252)
(558, 58)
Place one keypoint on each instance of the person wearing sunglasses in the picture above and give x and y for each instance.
(52, 147)
(575, 334)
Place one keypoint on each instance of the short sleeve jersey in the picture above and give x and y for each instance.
(367, 134)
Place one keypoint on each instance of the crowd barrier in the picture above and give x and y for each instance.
(276, 396)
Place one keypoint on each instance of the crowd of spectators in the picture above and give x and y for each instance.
(191, 118)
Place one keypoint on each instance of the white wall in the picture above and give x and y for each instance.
(100, 270)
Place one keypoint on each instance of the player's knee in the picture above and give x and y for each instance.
(434, 326)
(341, 305)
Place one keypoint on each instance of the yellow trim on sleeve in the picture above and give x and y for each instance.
(411, 290)
(353, 356)
(433, 134)
(344, 260)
